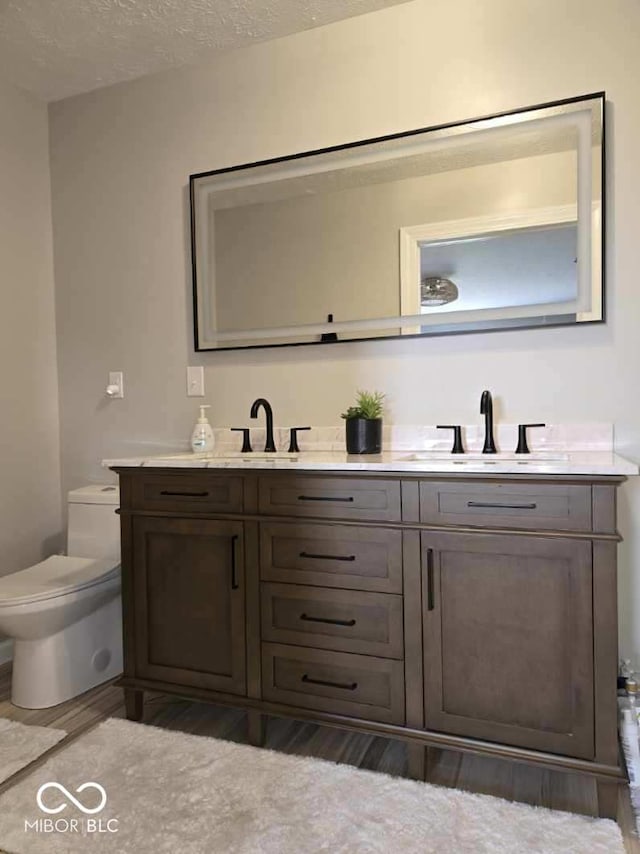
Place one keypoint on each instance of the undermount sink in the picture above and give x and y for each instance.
(234, 456)
(253, 456)
(486, 459)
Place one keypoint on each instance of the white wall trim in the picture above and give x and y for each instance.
(412, 236)
(6, 650)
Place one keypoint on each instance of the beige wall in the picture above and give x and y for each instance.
(120, 161)
(29, 435)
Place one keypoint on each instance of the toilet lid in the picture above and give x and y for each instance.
(55, 576)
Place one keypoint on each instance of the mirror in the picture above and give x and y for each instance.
(493, 223)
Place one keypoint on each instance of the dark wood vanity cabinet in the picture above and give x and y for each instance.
(189, 600)
(508, 640)
(473, 613)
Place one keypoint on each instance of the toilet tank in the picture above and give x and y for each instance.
(93, 528)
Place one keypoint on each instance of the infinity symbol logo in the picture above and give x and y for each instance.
(70, 797)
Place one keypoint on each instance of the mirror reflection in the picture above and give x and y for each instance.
(487, 224)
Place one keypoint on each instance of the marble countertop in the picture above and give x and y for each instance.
(427, 462)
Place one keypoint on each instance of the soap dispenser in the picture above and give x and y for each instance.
(202, 440)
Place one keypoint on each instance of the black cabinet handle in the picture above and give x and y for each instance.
(234, 578)
(327, 620)
(351, 686)
(347, 558)
(430, 604)
(531, 506)
(323, 498)
(184, 494)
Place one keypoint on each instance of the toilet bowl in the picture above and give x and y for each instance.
(64, 613)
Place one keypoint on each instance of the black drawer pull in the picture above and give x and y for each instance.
(348, 558)
(531, 506)
(234, 577)
(323, 498)
(184, 494)
(350, 687)
(430, 604)
(327, 620)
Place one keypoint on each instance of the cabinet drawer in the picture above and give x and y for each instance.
(336, 682)
(330, 497)
(346, 620)
(203, 492)
(332, 556)
(556, 506)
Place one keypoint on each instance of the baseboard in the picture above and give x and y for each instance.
(6, 650)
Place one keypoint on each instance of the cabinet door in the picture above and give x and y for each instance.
(189, 602)
(508, 640)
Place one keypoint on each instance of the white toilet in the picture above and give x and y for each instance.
(65, 614)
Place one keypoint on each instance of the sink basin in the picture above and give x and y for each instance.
(486, 459)
(252, 457)
(232, 457)
(278, 455)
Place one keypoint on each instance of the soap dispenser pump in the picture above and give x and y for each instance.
(202, 440)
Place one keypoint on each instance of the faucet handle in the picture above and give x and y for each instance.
(246, 440)
(458, 447)
(523, 447)
(293, 439)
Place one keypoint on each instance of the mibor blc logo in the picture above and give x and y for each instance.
(53, 798)
(70, 797)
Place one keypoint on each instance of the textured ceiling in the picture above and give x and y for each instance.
(57, 48)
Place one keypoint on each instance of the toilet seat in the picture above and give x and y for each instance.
(56, 576)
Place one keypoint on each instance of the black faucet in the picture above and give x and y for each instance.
(270, 446)
(486, 409)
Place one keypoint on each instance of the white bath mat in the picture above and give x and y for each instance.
(20, 745)
(136, 788)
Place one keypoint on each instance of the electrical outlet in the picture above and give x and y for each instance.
(195, 381)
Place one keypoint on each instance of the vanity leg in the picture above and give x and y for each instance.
(256, 728)
(608, 800)
(417, 762)
(133, 704)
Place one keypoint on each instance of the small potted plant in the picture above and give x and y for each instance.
(363, 423)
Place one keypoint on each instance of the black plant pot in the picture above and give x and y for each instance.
(364, 435)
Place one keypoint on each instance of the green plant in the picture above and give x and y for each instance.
(369, 405)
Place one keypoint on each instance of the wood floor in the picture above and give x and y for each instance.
(490, 776)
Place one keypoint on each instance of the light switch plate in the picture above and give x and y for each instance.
(195, 381)
(116, 385)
